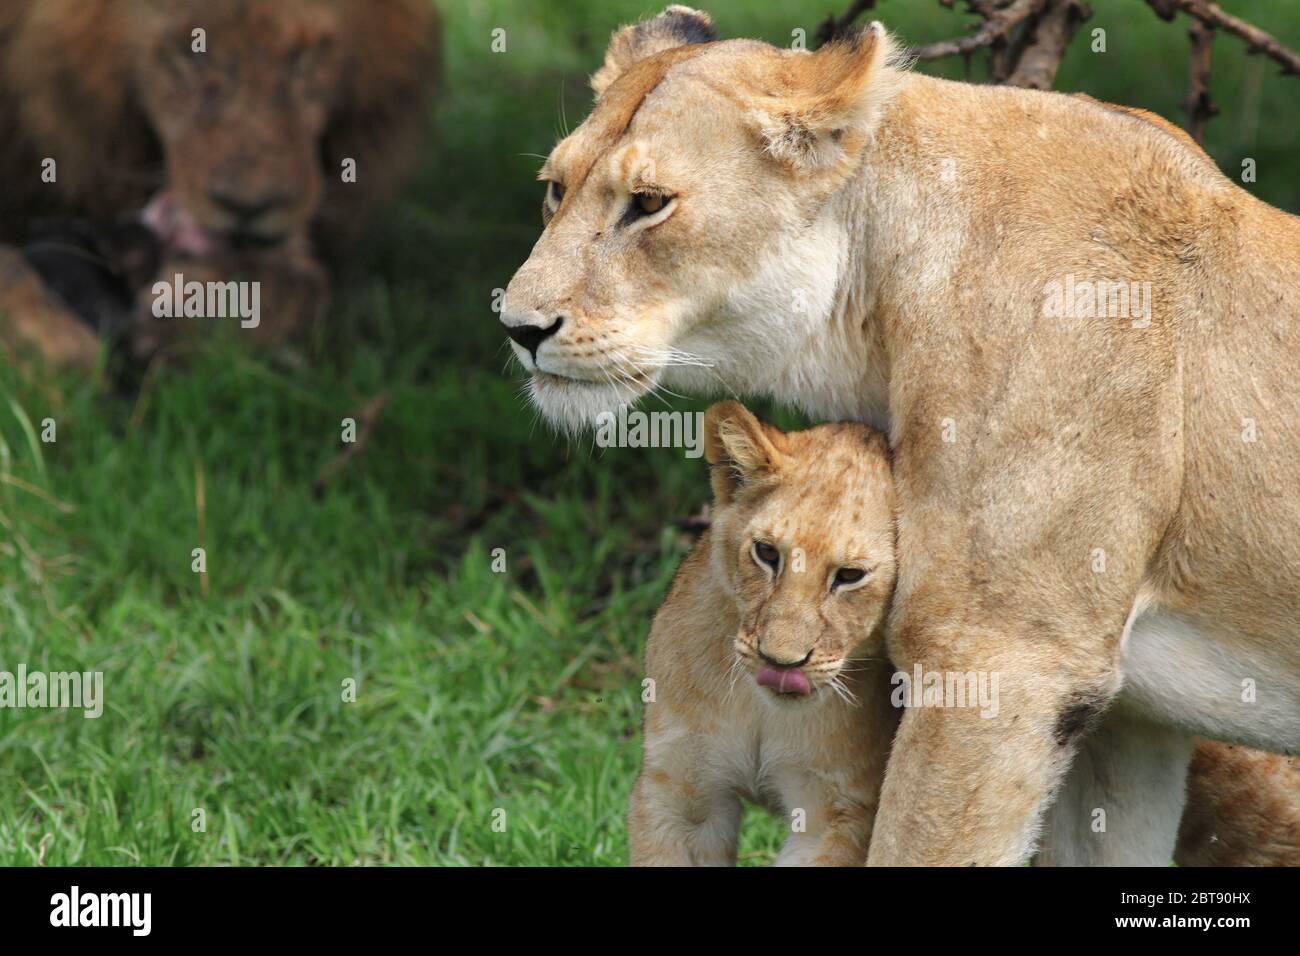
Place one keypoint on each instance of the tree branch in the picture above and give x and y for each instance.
(1212, 15)
(996, 28)
(1037, 64)
(1199, 105)
(834, 26)
(1027, 39)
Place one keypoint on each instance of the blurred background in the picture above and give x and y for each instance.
(477, 691)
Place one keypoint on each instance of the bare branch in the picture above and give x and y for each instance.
(1037, 64)
(1212, 15)
(996, 28)
(1027, 39)
(834, 26)
(1199, 105)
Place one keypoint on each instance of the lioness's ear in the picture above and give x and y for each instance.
(740, 449)
(828, 102)
(676, 26)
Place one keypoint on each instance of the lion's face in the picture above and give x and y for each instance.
(240, 123)
(803, 534)
(686, 225)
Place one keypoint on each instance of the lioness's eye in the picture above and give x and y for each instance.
(849, 576)
(766, 554)
(551, 201)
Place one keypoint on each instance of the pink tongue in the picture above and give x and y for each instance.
(176, 228)
(784, 680)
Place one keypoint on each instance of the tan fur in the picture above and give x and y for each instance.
(1243, 808)
(111, 90)
(711, 734)
(888, 258)
(39, 320)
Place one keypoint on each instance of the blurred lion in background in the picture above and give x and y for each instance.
(219, 138)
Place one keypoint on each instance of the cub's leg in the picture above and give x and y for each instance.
(837, 834)
(684, 809)
(1121, 800)
(672, 822)
(831, 787)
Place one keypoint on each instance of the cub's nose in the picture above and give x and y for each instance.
(531, 337)
(783, 657)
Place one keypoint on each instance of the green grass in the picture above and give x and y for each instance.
(477, 691)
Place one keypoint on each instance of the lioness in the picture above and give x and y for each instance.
(791, 583)
(250, 136)
(1097, 496)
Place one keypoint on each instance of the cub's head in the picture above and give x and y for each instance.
(803, 536)
(689, 234)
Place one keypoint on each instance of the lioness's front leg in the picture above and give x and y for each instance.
(1019, 570)
(963, 789)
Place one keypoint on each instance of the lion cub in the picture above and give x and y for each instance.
(770, 680)
(768, 674)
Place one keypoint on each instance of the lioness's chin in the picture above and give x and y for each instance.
(574, 405)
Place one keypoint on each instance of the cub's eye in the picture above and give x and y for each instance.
(846, 576)
(767, 554)
(650, 203)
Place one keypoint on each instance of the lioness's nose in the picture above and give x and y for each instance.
(531, 337)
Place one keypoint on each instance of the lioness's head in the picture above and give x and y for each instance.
(686, 233)
(803, 537)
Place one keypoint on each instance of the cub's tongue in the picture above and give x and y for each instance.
(784, 680)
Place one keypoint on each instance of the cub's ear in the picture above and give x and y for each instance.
(676, 26)
(826, 104)
(741, 450)
(877, 443)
